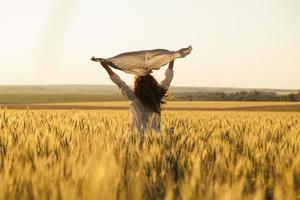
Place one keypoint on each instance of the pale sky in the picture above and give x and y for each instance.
(236, 43)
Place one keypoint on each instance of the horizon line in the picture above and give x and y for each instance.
(183, 86)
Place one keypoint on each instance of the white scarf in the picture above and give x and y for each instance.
(143, 62)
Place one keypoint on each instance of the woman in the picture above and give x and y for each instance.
(145, 100)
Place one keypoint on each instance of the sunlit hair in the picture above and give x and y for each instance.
(150, 92)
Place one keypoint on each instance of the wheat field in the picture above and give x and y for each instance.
(199, 155)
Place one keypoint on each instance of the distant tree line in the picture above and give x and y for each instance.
(236, 96)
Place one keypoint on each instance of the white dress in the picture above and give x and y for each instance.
(141, 117)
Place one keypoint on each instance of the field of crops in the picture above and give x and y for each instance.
(171, 105)
(200, 155)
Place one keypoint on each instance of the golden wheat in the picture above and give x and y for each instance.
(200, 155)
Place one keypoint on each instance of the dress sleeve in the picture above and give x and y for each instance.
(168, 78)
(124, 88)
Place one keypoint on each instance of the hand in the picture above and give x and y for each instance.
(104, 63)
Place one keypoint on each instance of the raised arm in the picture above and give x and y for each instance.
(168, 76)
(107, 68)
(124, 88)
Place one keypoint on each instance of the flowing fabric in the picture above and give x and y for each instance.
(143, 62)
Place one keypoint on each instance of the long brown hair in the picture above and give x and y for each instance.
(150, 92)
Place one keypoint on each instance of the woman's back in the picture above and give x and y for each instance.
(142, 117)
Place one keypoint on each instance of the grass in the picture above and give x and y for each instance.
(200, 155)
(55, 98)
